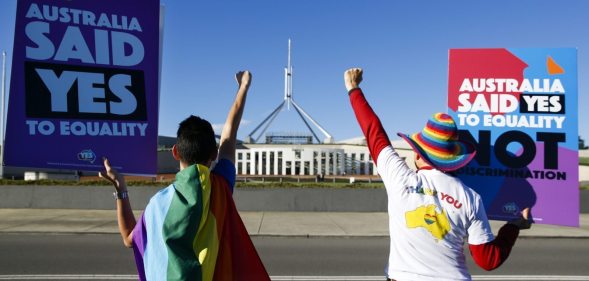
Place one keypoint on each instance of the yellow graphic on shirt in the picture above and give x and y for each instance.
(427, 217)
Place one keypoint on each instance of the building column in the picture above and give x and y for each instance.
(319, 165)
(268, 162)
(261, 163)
(283, 165)
(342, 162)
(312, 164)
(252, 163)
(301, 166)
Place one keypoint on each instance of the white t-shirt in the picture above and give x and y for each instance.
(431, 215)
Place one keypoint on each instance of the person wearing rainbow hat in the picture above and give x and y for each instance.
(431, 212)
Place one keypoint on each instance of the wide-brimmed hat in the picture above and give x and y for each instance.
(438, 144)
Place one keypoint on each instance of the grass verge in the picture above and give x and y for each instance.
(80, 183)
(160, 183)
(239, 184)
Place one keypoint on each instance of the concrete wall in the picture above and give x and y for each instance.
(246, 199)
(270, 199)
(311, 199)
(69, 197)
(583, 173)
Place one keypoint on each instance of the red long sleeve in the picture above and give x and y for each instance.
(376, 137)
(491, 255)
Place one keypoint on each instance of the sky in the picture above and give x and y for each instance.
(401, 45)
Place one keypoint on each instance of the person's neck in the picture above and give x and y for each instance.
(422, 165)
(425, 167)
(184, 165)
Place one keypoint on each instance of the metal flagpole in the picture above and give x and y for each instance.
(288, 101)
(2, 115)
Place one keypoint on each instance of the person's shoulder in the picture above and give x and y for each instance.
(470, 193)
(164, 192)
(219, 182)
(166, 189)
(225, 169)
(452, 182)
(389, 151)
(218, 179)
(222, 165)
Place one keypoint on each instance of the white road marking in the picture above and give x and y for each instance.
(69, 277)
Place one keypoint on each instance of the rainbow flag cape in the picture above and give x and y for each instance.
(191, 231)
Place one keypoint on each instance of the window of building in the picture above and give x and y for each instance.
(288, 167)
(338, 163)
(297, 153)
(271, 162)
(256, 163)
(315, 166)
(263, 156)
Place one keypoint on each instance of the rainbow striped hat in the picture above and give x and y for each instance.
(438, 144)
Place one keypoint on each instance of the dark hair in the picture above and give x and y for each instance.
(196, 140)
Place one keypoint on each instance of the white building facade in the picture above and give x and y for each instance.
(307, 159)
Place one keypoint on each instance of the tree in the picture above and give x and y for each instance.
(582, 143)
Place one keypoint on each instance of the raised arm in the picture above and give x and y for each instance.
(125, 217)
(229, 134)
(376, 137)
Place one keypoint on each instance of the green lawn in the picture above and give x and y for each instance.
(584, 161)
(308, 185)
(239, 184)
(80, 183)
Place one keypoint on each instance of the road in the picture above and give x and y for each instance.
(102, 257)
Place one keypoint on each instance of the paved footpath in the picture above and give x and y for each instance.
(257, 223)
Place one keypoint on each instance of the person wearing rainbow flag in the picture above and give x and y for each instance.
(191, 230)
(431, 212)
